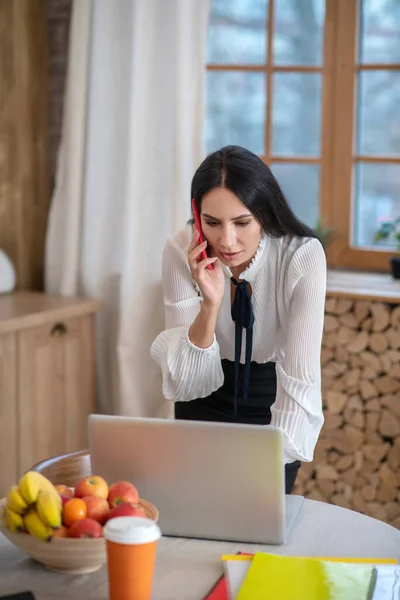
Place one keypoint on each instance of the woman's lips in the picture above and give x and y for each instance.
(229, 256)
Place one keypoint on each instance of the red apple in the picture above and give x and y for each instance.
(122, 491)
(61, 532)
(94, 485)
(86, 528)
(126, 509)
(97, 508)
(64, 489)
(64, 499)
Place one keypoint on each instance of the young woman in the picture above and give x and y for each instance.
(242, 341)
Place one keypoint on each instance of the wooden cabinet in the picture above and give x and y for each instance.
(8, 411)
(46, 378)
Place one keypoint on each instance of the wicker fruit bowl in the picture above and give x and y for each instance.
(66, 555)
(74, 555)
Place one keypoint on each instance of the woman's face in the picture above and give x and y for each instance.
(230, 228)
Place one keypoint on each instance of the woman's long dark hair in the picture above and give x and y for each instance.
(251, 180)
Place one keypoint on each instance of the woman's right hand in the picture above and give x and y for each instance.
(210, 281)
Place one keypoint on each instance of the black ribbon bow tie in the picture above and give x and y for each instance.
(243, 316)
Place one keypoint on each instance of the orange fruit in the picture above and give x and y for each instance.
(74, 510)
(61, 532)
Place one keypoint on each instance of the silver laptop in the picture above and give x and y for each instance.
(219, 481)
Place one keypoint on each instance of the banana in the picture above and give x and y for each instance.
(49, 508)
(15, 501)
(31, 483)
(35, 526)
(12, 520)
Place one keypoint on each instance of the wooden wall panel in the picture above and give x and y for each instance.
(24, 137)
(357, 457)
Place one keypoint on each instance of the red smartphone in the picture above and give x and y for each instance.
(201, 236)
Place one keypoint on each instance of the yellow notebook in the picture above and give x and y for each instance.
(347, 559)
(291, 578)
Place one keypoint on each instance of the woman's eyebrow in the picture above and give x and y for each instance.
(244, 216)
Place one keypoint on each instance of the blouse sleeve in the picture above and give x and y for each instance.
(188, 372)
(298, 406)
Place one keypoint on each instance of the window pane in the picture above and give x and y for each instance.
(237, 32)
(379, 109)
(296, 114)
(377, 199)
(235, 110)
(300, 184)
(380, 31)
(298, 32)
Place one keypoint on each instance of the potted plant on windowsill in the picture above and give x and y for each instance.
(387, 230)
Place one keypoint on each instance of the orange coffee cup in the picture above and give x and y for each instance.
(131, 555)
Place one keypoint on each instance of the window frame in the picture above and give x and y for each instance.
(340, 209)
(339, 71)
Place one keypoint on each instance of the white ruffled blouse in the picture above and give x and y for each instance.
(288, 282)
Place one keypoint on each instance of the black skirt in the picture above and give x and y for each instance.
(255, 410)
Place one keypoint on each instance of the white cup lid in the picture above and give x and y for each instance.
(131, 530)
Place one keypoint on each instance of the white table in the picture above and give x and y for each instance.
(187, 569)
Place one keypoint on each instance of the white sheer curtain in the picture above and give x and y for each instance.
(132, 138)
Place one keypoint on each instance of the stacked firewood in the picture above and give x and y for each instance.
(357, 458)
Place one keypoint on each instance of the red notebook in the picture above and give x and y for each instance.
(219, 591)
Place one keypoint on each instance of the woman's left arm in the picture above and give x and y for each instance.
(298, 406)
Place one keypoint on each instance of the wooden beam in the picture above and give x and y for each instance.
(263, 67)
(328, 114)
(269, 82)
(377, 159)
(24, 137)
(299, 160)
(379, 67)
